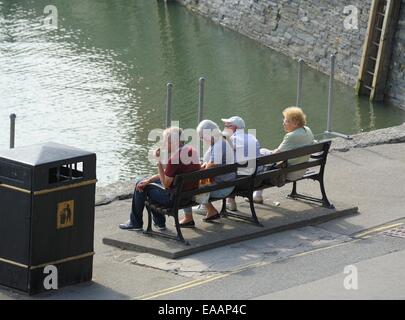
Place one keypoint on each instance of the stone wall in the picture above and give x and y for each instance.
(396, 78)
(311, 29)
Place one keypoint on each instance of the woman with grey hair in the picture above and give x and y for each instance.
(220, 152)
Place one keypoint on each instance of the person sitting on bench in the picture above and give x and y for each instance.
(246, 147)
(298, 135)
(220, 152)
(183, 159)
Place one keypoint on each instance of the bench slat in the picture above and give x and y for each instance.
(291, 154)
(213, 187)
(207, 173)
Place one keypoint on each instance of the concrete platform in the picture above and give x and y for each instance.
(289, 214)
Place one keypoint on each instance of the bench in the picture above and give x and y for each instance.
(273, 176)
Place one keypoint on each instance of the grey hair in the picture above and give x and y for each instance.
(210, 127)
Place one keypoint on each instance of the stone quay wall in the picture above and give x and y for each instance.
(312, 30)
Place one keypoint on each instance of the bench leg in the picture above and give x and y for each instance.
(223, 209)
(149, 227)
(325, 202)
(253, 210)
(294, 190)
(252, 219)
(149, 231)
(178, 229)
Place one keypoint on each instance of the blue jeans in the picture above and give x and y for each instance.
(221, 193)
(155, 194)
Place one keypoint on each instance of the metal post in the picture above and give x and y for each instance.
(299, 83)
(169, 104)
(12, 130)
(330, 96)
(201, 99)
(330, 102)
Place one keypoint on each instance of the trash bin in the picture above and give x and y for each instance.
(47, 201)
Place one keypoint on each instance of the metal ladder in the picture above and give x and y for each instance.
(377, 48)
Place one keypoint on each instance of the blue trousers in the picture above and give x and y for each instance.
(155, 194)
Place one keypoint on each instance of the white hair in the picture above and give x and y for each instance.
(208, 129)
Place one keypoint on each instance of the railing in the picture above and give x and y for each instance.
(169, 97)
(301, 62)
(12, 130)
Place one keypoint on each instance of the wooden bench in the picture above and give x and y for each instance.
(271, 176)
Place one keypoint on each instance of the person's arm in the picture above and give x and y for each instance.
(164, 179)
(153, 178)
(210, 165)
(142, 184)
(284, 145)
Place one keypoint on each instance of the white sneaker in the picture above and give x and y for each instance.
(231, 205)
(200, 210)
(257, 197)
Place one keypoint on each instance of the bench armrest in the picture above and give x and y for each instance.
(156, 185)
(159, 186)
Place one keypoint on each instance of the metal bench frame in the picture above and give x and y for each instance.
(243, 185)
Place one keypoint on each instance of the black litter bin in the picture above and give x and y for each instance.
(47, 200)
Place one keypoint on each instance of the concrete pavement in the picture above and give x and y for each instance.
(307, 262)
(379, 278)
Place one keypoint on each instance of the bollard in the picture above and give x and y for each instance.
(330, 95)
(299, 83)
(169, 96)
(330, 102)
(201, 99)
(12, 130)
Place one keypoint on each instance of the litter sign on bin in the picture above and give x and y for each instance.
(66, 211)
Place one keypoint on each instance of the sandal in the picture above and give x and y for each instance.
(214, 217)
(190, 224)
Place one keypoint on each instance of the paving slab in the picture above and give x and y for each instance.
(275, 217)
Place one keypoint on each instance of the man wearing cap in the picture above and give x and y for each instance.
(245, 145)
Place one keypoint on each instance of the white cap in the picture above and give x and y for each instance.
(236, 121)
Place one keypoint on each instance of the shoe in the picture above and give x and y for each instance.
(190, 224)
(129, 226)
(231, 205)
(200, 210)
(160, 228)
(214, 217)
(258, 199)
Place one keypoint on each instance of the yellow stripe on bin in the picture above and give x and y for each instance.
(7, 186)
(81, 256)
(71, 186)
(46, 191)
(78, 257)
(14, 263)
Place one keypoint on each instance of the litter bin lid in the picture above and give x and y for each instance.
(43, 153)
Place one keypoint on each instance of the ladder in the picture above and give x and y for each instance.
(377, 48)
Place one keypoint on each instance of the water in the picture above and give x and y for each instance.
(98, 82)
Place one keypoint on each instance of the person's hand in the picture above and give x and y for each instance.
(207, 165)
(157, 153)
(141, 185)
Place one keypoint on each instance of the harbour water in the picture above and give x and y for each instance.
(98, 81)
